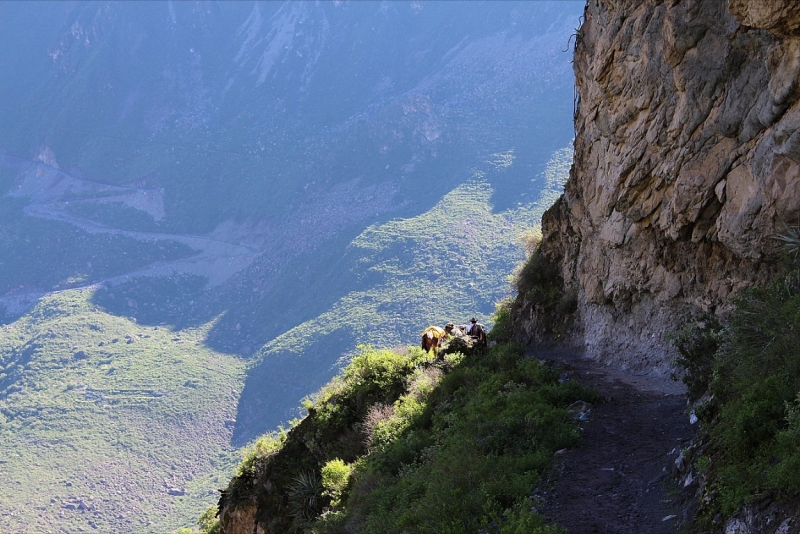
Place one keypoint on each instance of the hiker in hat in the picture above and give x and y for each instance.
(477, 331)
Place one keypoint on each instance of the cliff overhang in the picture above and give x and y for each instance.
(687, 164)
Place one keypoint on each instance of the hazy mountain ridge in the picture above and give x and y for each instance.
(402, 137)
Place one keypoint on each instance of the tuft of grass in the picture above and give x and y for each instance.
(790, 241)
(305, 495)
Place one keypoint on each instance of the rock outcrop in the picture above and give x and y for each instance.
(687, 163)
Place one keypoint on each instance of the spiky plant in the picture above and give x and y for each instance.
(305, 499)
(790, 240)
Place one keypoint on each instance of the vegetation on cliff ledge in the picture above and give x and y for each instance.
(745, 379)
(542, 301)
(403, 442)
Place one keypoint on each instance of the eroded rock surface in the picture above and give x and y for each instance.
(687, 163)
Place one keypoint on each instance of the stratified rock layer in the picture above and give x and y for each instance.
(687, 163)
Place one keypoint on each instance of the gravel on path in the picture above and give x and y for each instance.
(617, 481)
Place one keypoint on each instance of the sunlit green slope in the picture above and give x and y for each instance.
(107, 424)
(443, 265)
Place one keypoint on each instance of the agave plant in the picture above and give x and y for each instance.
(790, 240)
(305, 498)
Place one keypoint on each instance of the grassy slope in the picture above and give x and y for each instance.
(443, 265)
(400, 443)
(86, 415)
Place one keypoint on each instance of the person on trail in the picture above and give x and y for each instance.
(477, 331)
(474, 325)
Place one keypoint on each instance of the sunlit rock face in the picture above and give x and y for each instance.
(687, 163)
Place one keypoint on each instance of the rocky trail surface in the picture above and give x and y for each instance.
(617, 481)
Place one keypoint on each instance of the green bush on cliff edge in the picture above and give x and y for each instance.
(402, 442)
(541, 293)
(751, 412)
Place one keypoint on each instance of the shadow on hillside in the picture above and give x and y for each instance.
(166, 300)
(274, 388)
(254, 307)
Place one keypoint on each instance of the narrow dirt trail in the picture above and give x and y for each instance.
(617, 480)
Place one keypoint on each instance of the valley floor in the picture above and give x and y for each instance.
(617, 481)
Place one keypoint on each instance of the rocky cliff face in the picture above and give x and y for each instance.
(687, 163)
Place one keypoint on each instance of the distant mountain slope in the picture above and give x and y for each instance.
(278, 181)
(110, 425)
(244, 109)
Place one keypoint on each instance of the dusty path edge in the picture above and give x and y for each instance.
(619, 480)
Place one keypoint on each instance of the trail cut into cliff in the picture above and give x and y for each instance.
(619, 479)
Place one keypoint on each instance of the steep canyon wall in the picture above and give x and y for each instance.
(687, 163)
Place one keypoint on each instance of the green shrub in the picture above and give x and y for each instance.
(379, 368)
(371, 376)
(505, 356)
(262, 448)
(697, 344)
(539, 279)
(754, 365)
(335, 476)
(541, 291)
(785, 473)
(209, 522)
(520, 520)
(502, 325)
